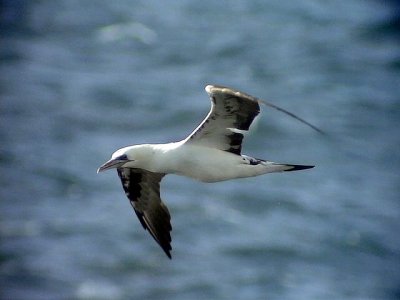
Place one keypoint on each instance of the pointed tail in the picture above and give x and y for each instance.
(297, 167)
(276, 167)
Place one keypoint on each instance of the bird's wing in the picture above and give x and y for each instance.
(231, 114)
(143, 191)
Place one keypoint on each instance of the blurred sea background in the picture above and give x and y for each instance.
(80, 79)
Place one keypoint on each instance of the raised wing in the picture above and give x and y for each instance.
(231, 114)
(143, 191)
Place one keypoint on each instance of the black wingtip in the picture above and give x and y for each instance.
(298, 167)
(167, 250)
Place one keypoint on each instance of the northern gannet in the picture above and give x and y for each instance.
(211, 153)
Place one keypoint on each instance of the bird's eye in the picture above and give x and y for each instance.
(123, 157)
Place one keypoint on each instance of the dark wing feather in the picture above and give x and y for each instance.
(143, 191)
(231, 114)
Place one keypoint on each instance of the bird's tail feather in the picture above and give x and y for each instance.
(276, 167)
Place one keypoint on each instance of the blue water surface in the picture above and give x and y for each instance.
(80, 79)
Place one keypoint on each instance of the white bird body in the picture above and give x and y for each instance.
(201, 163)
(211, 153)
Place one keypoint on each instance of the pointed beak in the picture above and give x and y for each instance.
(111, 164)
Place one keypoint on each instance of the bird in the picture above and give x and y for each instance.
(211, 153)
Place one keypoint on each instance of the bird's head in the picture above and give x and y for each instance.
(125, 157)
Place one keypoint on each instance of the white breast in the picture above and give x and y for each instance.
(202, 163)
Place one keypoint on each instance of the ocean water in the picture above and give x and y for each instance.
(80, 79)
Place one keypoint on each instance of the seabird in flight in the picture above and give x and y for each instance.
(211, 153)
